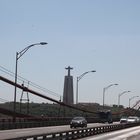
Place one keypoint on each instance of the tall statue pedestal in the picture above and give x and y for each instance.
(68, 88)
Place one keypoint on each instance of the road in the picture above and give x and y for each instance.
(125, 134)
(6, 134)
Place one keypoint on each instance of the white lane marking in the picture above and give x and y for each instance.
(105, 135)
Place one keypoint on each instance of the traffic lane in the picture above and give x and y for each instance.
(132, 133)
(13, 133)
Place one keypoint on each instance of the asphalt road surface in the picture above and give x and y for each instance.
(6, 134)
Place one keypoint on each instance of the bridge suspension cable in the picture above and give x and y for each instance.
(12, 74)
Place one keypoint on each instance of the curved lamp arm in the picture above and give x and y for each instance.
(79, 77)
(19, 54)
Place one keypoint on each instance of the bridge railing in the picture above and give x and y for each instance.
(6, 124)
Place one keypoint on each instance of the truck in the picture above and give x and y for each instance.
(105, 116)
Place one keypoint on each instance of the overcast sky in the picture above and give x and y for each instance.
(101, 35)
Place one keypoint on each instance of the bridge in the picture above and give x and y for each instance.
(16, 128)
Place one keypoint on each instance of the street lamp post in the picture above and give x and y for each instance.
(120, 96)
(18, 55)
(104, 89)
(78, 79)
(131, 99)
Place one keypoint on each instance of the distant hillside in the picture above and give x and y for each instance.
(55, 110)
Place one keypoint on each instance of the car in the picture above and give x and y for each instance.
(123, 119)
(132, 119)
(78, 122)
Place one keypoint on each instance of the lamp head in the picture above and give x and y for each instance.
(43, 43)
(93, 71)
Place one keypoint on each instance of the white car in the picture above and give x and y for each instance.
(133, 119)
(123, 119)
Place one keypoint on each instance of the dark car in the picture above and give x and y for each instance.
(78, 122)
